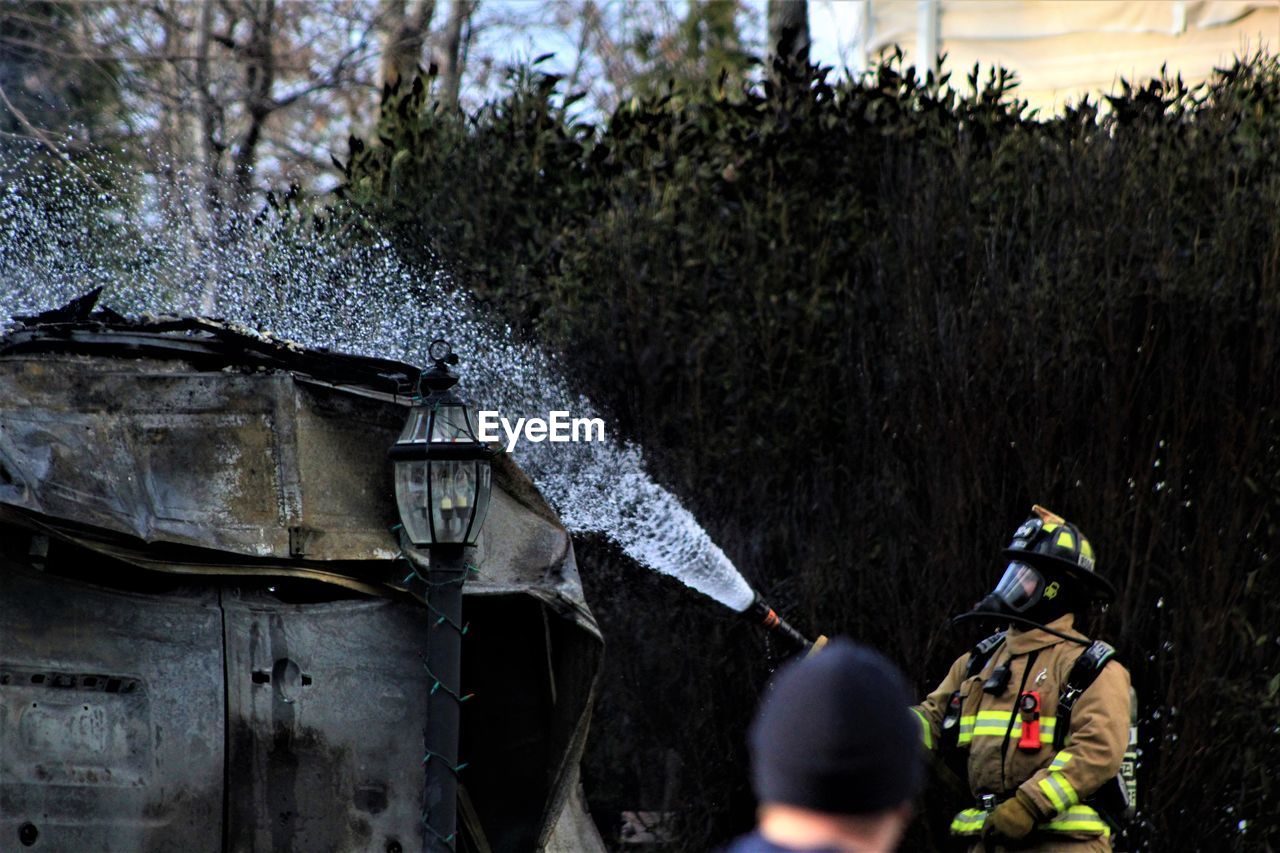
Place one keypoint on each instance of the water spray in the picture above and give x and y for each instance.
(760, 613)
(361, 300)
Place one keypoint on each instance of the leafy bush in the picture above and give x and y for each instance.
(861, 326)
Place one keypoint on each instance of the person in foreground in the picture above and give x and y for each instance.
(835, 756)
(1039, 711)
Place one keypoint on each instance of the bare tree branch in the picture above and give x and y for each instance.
(43, 138)
(579, 60)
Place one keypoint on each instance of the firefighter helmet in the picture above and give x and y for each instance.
(1051, 544)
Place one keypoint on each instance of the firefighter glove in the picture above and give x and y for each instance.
(1011, 819)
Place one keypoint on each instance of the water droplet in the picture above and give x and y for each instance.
(364, 301)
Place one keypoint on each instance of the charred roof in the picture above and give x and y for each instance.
(208, 344)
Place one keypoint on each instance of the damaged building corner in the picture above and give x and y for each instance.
(205, 639)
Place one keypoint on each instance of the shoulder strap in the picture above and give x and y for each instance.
(1083, 673)
(982, 653)
(950, 727)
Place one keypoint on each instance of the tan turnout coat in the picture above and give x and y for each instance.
(991, 726)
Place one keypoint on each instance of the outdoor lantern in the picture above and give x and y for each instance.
(441, 467)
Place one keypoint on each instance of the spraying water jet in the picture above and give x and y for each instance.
(359, 300)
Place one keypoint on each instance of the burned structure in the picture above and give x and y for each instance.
(206, 637)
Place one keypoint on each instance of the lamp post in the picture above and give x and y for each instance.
(442, 478)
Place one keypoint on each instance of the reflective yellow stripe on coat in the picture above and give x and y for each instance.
(1077, 818)
(969, 822)
(927, 734)
(996, 724)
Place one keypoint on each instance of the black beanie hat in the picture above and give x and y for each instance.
(834, 734)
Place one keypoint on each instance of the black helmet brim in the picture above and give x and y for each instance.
(1098, 587)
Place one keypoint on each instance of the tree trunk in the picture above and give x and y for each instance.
(209, 141)
(450, 51)
(405, 34)
(789, 29)
(260, 78)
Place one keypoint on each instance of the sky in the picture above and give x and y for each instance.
(1059, 50)
(514, 31)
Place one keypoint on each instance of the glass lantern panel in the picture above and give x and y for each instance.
(453, 498)
(452, 423)
(411, 497)
(416, 425)
(482, 500)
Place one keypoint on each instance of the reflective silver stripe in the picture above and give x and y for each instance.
(968, 822)
(1078, 818)
(996, 723)
(1059, 791)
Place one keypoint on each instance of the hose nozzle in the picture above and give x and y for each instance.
(762, 614)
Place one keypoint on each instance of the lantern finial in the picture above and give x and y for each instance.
(440, 377)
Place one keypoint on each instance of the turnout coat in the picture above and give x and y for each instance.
(990, 728)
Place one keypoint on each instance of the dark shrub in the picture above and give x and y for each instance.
(861, 327)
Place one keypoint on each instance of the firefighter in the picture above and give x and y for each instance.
(1041, 711)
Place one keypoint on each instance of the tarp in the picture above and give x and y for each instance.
(198, 449)
(1062, 50)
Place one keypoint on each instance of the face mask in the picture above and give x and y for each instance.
(1021, 588)
(1024, 591)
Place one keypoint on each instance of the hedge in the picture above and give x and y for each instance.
(860, 326)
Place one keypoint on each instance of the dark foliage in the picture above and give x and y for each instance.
(860, 327)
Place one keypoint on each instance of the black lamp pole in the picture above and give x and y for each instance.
(443, 484)
(444, 710)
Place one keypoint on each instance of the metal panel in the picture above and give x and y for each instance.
(111, 718)
(261, 465)
(188, 447)
(327, 705)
